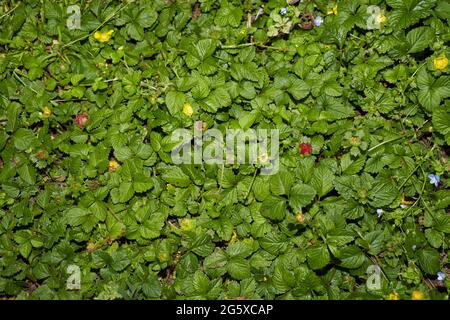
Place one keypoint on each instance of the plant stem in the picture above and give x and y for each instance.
(383, 143)
(7, 13)
(251, 184)
(101, 25)
(256, 44)
(415, 169)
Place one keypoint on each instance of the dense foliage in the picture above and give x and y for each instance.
(87, 178)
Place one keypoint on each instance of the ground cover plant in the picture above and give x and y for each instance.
(92, 205)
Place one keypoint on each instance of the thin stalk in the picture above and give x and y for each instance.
(96, 29)
(251, 184)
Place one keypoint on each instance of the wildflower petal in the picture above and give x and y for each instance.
(318, 21)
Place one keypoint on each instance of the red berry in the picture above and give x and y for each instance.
(305, 148)
(81, 119)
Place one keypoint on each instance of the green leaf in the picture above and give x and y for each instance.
(435, 238)
(27, 173)
(442, 223)
(123, 153)
(229, 15)
(99, 210)
(238, 268)
(419, 38)
(432, 90)
(217, 99)
(350, 167)
(318, 257)
(298, 88)
(201, 90)
(283, 280)
(247, 120)
(351, 257)
(301, 195)
(187, 265)
(241, 248)
(76, 216)
(176, 176)
(274, 243)
(348, 186)
(24, 139)
(147, 17)
(322, 180)
(429, 260)
(274, 208)
(281, 182)
(202, 245)
(151, 287)
(305, 169)
(12, 124)
(135, 31)
(204, 49)
(339, 237)
(441, 123)
(174, 102)
(200, 283)
(25, 249)
(443, 9)
(120, 260)
(248, 90)
(76, 78)
(383, 193)
(408, 12)
(261, 188)
(152, 226)
(142, 183)
(122, 194)
(215, 264)
(336, 112)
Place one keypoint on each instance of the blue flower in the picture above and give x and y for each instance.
(379, 212)
(441, 276)
(434, 179)
(283, 11)
(318, 21)
(260, 12)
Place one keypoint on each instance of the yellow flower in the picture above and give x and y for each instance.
(300, 217)
(91, 247)
(234, 238)
(417, 295)
(394, 296)
(47, 112)
(153, 99)
(187, 224)
(333, 10)
(162, 257)
(440, 63)
(355, 140)
(169, 187)
(404, 201)
(263, 158)
(187, 109)
(113, 165)
(382, 18)
(103, 36)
